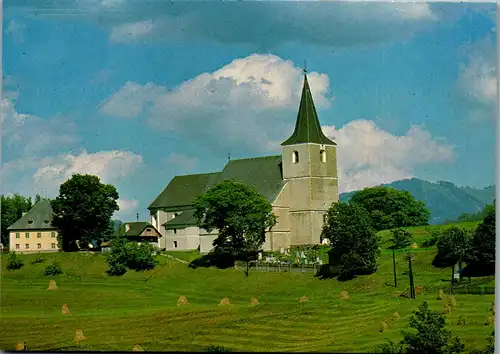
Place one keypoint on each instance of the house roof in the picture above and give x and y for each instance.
(39, 217)
(136, 228)
(185, 219)
(307, 127)
(262, 173)
(183, 190)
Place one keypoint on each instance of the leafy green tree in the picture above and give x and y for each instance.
(390, 208)
(129, 255)
(240, 214)
(120, 230)
(354, 243)
(14, 262)
(83, 211)
(454, 245)
(482, 254)
(480, 215)
(431, 336)
(12, 208)
(401, 238)
(428, 335)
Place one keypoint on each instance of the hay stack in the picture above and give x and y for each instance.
(414, 245)
(65, 310)
(52, 285)
(419, 290)
(441, 295)
(304, 299)
(396, 316)
(254, 301)
(383, 326)
(79, 336)
(344, 295)
(137, 348)
(461, 320)
(182, 300)
(452, 301)
(446, 309)
(225, 301)
(21, 346)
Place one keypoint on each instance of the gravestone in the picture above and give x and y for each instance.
(282, 250)
(260, 256)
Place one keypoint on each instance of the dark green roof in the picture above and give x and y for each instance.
(183, 190)
(307, 128)
(38, 218)
(136, 228)
(262, 173)
(185, 219)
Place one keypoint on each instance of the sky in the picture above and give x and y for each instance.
(137, 92)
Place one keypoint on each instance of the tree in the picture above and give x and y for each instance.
(390, 208)
(431, 336)
(354, 243)
(12, 209)
(482, 254)
(83, 211)
(240, 214)
(454, 245)
(401, 238)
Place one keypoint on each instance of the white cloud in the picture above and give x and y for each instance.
(30, 135)
(109, 166)
(181, 162)
(127, 206)
(247, 102)
(478, 79)
(369, 156)
(131, 31)
(16, 29)
(131, 100)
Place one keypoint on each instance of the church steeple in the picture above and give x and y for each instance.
(307, 127)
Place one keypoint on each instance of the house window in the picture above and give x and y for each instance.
(39, 235)
(27, 234)
(18, 235)
(17, 245)
(27, 246)
(38, 245)
(30, 221)
(175, 231)
(322, 155)
(148, 230)
(53, 245)
(175, 244)
(295, 157)
(52, 234)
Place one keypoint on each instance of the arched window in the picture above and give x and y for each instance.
(322, 155)
(295, 157)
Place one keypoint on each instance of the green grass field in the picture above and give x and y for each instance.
(141, 308)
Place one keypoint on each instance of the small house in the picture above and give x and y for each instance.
(34, 232)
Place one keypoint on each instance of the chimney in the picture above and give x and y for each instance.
(127, 227)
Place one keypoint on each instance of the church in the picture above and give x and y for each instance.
(301, 184)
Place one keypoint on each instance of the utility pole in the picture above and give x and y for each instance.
(394, 265)
(409, 256)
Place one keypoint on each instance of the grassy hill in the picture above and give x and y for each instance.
(141, 308)
(445, 200)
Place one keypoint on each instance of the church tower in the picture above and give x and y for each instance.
(310, 170)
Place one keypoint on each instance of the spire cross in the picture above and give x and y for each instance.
(305, 68)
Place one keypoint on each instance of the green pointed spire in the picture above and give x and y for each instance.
(307, 127)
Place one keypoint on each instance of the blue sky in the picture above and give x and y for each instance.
(139, 93)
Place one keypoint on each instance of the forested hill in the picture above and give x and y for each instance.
(445, 200)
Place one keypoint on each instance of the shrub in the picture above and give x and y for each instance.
(14, 262)
(390, 348)
(53, 269)
(401, 238)
(117, 269)
(217, 348)
(129, 255)
(38, 259)
(433, 239)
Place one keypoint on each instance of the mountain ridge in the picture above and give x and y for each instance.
(445, 200)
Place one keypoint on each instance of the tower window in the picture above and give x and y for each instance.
(322, 155)
(295, 157)
(175, 244)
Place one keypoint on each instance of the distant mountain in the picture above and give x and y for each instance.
(445, 200)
